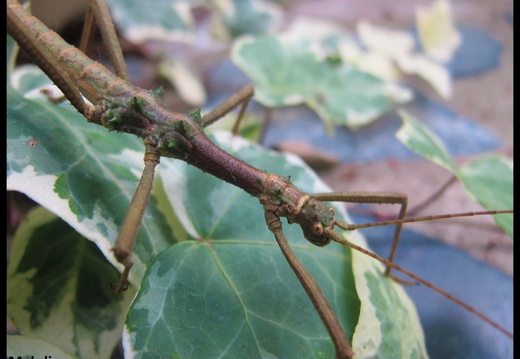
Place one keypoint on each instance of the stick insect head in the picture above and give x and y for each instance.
(316, 221)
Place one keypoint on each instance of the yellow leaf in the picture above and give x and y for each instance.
(437, 32)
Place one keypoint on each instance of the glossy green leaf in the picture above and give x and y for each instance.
(249, 305)
(21, 346)
(231, 293)
(287, 72)
(58, 279)
(422, 141)
(78, 170)
(489, 181)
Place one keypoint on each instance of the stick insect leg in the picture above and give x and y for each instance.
(87, 30)
(108, 32)
(241, 97)
(374, 197)
(341, 343)
(123, 247)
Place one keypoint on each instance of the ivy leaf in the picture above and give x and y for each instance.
(398, 47)
(235, 18)
(169, 20)
(422, 141)
(166, 20)
(11, 53)
(185, 80)
(87, 176)
(19, 346)
(63, 283)
(78, 170)
(231, 292)
(287, 72)
(488, 180)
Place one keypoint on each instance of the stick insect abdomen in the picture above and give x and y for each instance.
(92, 78)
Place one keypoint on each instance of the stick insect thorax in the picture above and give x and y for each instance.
(182, 136)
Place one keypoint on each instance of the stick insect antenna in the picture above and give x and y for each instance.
(351, 227)
(337, 238)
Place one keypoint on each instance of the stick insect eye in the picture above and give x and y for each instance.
(317, 229)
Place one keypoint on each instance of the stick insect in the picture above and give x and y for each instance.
(122, 107)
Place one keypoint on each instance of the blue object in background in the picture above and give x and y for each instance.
(451, 331)
(477, 53)
(377, 141)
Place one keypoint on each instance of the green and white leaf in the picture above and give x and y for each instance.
(11, 53)
(231, 293)
(392, 44)
(185, 80)
(287, 72)
(387, 320)
(391, 47)
(233, 18)
(488, 180)
(21, 346)
(167, 20)
(233, 276)
(421, 140)
(58, 289)
(78, 170)
(172, 20)
(435, 74)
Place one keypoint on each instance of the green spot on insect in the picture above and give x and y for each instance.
(196, 116)
(174, 143)
(138, 103)
(112, 118)
(158, 94)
